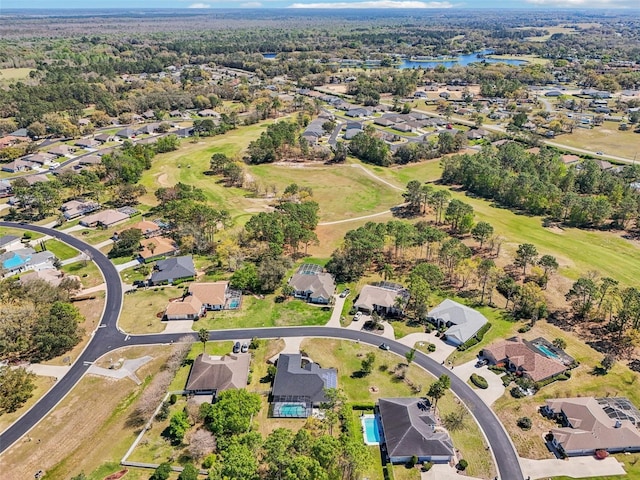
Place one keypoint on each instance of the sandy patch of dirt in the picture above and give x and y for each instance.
(555, 229)
(163, 180)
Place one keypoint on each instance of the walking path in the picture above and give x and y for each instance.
(124, 266)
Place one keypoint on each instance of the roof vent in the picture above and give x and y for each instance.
(618, 424)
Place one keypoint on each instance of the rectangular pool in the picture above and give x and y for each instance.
(546, 351)
(370, 429)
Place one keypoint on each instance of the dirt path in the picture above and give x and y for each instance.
(163, 180)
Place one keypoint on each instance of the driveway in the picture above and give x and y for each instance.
(444, 472)
(443, 349)
(489, 395)
(576, 467)
(179, 326)
(56, 371)
(338, 304)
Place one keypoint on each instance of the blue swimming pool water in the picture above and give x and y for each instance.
(544, 349)
(12, 262)
(234, 304)
(292, 411)
(371, 430)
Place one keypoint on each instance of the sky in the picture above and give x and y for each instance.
(364, 4)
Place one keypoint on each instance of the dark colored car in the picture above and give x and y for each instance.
(481, 362)
(236, 347)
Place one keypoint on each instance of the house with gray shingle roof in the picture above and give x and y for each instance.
(299, 385)
(315, 288)
(172, 269)
(463, 322)
(410, 429)
(212, 375)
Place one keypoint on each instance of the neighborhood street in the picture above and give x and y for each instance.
(108, 337)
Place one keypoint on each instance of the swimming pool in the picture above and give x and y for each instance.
(544, 349)
(293, 410)
(13, 262)
(234, 303)
(370, 429)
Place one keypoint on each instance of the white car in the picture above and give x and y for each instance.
(357, 316)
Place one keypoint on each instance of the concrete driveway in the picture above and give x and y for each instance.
(443, 349)
(338, 304)
(496, 388)
(576, 467)
(444, 472)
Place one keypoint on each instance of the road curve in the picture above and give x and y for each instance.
(503, 450)
(104, 339)
(108, 338)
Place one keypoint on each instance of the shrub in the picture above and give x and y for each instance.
(412, 463)
(209, 461)
(524, 423)
(516, 392)
(426, 466)
(173, 399)
(507, 379)
(479, 381)
(524, 328)
(497, 368)
(431, 347)
(163, 413)
(462, 464)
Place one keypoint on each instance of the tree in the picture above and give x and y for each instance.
(582, 296)
(16, 387)
(608, 362)
(304, 468)
(460, 216)
(335, 398)
(410, 356)
(482, 232)
(127, 243)
(454, 421)
(525, 255)
(189, 472)
(57, 332)
(549, 265)
(239, 462)
(485, 270)
(203, 336)
(560, 343)
(233, 411)
(277, 450)
(438, 389)
(367, 364)
(178, 426)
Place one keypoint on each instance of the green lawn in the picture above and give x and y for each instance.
(402, 329)
(142, 309)
(61, 250)
(88, 272)
(256, 312)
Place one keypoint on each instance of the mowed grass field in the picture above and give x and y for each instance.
(606, 138)
(10, 75)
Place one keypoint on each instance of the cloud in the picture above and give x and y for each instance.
(199, 5)
(251, 5)
(585, 3)
(375, 4)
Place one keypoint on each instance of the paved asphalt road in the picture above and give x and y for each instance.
(108, 337)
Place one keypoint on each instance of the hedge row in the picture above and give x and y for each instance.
(476, 339)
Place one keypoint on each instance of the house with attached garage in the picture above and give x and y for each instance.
(410, 428)
(173, 269)
(314, 287)
(211, 375)
(463, 322)
(104, 218)
(10, 242)
(386, 298)
(203, 297)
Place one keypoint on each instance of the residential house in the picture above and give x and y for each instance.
(216, 295)
(126, 133)
(24, 259)
(314, 131)
(148, 129)
(76, 208)
(316, 287)
(33, 179)
(463, 322)
(299, 386)
(50, 275)
(358, 112)
(592, 424)
(104, 218)
(20, 133)
(90, 160)
(410, 428)
(104, 138)
(40, 159)
(148, 229)
(523, 358)
(157, 247)
(87, 143)
(569, 159)
(184, 132)
(149, 114)
(10, 242)
(476, 134)
(61, 150)
(402, 127)
(385, 299)
(187, 308)
(207, 112)
(172, 269)
(212, 375)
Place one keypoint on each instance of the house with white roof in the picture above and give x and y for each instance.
(463, 322)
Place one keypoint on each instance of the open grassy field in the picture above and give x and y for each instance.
(11, 75)
(347, 357)
(621, 381)
(61, 250)
(87, 431)
(606, 138)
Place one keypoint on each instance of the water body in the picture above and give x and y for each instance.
(462, 60)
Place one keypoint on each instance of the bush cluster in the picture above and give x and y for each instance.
(476, 339)
(479, 381)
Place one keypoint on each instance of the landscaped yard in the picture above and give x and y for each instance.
(142, 310)
(265, 312)
(61, 250)
(88, 272)
(347, 357)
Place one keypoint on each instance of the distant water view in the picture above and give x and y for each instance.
(461, 60)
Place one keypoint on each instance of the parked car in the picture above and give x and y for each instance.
(345, 293)
(384, 346)
(139, 283)
(236, 347)
(599, 153)
(244, 348)
(482, 362)
(357, 316)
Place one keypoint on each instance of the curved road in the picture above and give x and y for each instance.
(108, 337)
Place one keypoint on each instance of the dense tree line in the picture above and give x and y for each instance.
(580, 195)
